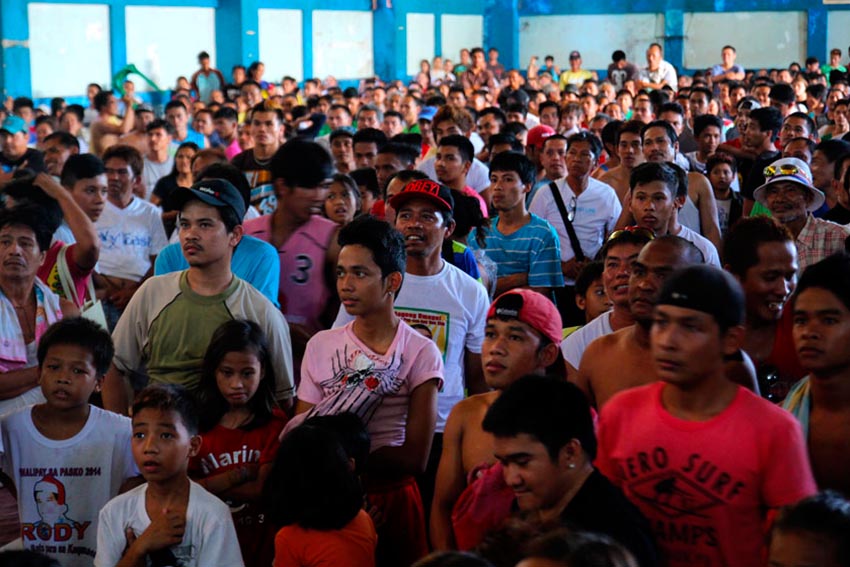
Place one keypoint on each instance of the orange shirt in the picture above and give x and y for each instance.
(352, 546)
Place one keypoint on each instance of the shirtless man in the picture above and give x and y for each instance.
(601, 373)
(108, 127)
(630, 150)
(521, 337)
(618, 254)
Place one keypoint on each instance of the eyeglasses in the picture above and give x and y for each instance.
(634, 229)
(786, 169)
(571, 211)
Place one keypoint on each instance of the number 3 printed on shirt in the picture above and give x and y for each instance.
(303, 263)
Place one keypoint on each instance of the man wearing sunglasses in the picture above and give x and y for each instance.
(790, 195)
(587, 212)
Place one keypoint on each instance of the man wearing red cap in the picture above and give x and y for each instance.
(521, 337)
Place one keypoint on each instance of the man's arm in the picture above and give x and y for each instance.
(15, 382)
(116, 391)
(583, 378)
(411, 457)
(87, 250)
(707, 206)
(511, 281)
(474, 374)
(450, 480)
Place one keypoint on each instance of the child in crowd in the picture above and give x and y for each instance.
(66, 457)
(170, 520)
(320, 504)
(240, 424)
(812, 532)
(590, 294)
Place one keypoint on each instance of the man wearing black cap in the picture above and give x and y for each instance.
(575, 75)
(168, 324)
(703, 459)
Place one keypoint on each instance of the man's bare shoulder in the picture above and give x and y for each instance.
(615, 174)
(474, 405)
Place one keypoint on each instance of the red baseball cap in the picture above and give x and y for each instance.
(532, 308)
(538, 134)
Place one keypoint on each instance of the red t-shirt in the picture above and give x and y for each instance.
(225, 449)
(704, 486)
(352, 546)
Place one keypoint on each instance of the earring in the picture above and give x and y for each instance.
(572, 465)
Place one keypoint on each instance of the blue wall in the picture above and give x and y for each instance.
(237, 25)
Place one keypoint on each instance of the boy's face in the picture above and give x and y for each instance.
(652, 205)
(450, 165)
(90, 194)
(821, 331)
(511, 349)
(595, 301)
(507, 189)
(162, 445)
(359, 282)
(68, 376)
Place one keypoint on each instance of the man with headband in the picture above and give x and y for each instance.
(703, 458)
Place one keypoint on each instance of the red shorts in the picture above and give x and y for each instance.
(402, 537)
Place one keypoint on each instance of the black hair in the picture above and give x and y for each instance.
(639, 238)
(668, 130)
(236, 336)
(64, 139)
(549, 104)
(832, 150)
(667, 173)
(314, 485)
(384, 241)
(169, 398)
(580, 549)
(831, 274)
(157, 123)
(702, 90)
(584, 136)
(462, 143)
(501, 139)
(351, 186)
(175, 104)
(126, 153)
(497, 113)
(672, 107)
(25, 194)
(516, 107)
(631, 127)
(611, 131)
(81, 166)
(817, 91)
(370, 136)
(783, 93)
(56, 104)
(591, 272)
(367, 178)
(405, 153)
(810, 124)
(77, 110)
(351, 434)
(22, 102)
(768, 118)
(704, 121)
(513, 128)
(618, 56)
(740, 247)
(467, 215)
(49, 120)
(549, 409)
(83, 333)
(452, 559)
(516, 162)
(301, 163)
(226, 113)
(826, 514)
(101, 99)
(718, 158)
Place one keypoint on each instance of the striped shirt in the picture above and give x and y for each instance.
(533, 249)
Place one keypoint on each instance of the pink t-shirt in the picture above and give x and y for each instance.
(704, 486)
(339, 373)
(232, 150)
(49, 272)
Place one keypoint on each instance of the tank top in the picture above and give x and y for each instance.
(689, 216)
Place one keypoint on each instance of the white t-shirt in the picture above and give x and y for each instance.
(478, 176)
(128, 238)
(62, 485)
(153, 172)
(209, 539)
(451, 308)
(341, 374)
(573, 346)
(596, 212)
(709, 251)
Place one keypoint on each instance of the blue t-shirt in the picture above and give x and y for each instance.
(533, 249)
(191, 136)
(254, 261)
(463, 258)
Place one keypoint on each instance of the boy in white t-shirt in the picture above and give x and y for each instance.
(66, 457)
(384, 371)
(170, 520)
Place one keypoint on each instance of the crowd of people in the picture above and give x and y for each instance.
(492, 317)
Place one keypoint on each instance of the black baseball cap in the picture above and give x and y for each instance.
(215, 192)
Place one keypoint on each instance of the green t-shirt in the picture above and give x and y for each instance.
(180, 334)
